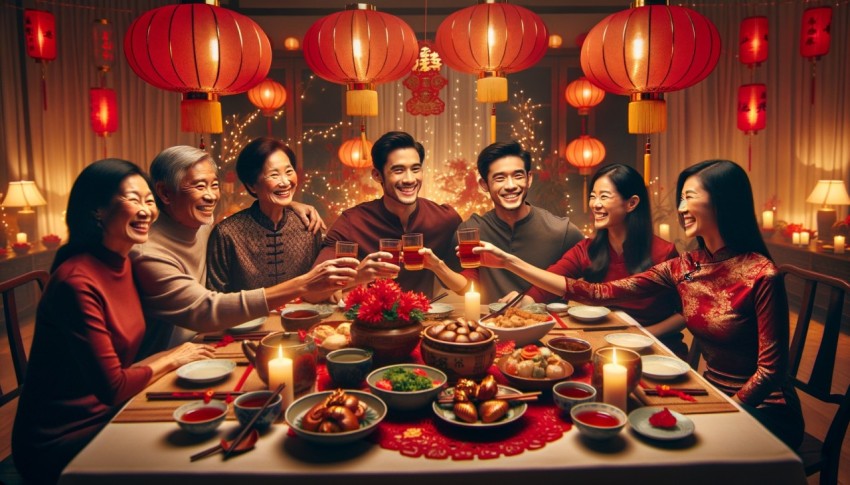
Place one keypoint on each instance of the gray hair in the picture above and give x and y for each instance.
(171, 165)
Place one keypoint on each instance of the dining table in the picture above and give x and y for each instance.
(143, 444)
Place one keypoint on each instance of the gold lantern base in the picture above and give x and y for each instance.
(647, 113)
(200, 113)
(492, 88)
(361, 100)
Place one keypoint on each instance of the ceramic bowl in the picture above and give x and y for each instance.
(247, 405)
(198, 417)
(557, 308)
(570, 393)
(529, 383)
(348, 367)
(295, 319)
(376, 411)
(631, 341)
(408, 401)
(586, 417)
(459, 360)
(522, 336)
(574, 350)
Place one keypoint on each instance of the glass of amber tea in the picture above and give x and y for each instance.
(392, 246)
(346, 249)
(411, 244)
(467, 239)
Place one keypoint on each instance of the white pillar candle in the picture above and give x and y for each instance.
(280, 371)
(614, 388)
(804, 238)
(664, 231)
(767, 220)
(472, 306)
(838, 242)
(795, 238)
(21, 238)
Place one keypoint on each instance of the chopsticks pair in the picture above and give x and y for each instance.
(242, 336)
(186, 396)
(526, 396)
(694, 391)
(438, 297)
(243, 433)
(513, 301)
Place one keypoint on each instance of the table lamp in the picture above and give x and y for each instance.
(828, 192)
(26, 195)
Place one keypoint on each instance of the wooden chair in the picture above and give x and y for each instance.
(13, 327)
(820, 456)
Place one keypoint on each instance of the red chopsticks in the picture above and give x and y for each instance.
(187, 396)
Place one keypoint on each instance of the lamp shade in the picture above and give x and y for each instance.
(360, 47)
(583, 95)
(829, 192)
(40, 34)
(752, 40)
(202, 51)
(103, 109)
(814, 32)
(23, 194)
(103, 42)
(752, 107)
(646, 51)
(492, 39)
(269, 96)
(355, 153)
(585, 152)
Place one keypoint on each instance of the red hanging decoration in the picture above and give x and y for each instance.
(585, 152)
(752, 41)
(269, 96)
(355, 153)
(815, 37)
(40, 42)
(425, 82)
(103, 42)
(752, 113)
(103, 113)
(583, 95)
(202, 51)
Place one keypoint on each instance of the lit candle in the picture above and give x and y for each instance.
(664, 231)
(280, 371)
(767, 220)
(614, 383)
(473, 304)
(804, 238)
(21, 238)
(795, 238)
(838, 243)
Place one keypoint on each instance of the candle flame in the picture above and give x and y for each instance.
(280, 351)
(472, 287)
(614, 356)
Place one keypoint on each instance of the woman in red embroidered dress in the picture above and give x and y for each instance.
(733, 299)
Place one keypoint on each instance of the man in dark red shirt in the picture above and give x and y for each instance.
(397, 165)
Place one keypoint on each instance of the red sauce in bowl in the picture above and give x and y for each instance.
(205, 413)
(574, 392)
(598, 418)
(301, 314)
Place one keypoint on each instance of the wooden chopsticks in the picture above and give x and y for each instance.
(189, 395)
(236, 337)
(509, 304)
(695, 391)
(526, 396)
(438, 297)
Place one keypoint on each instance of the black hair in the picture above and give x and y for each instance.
(499, 150)
(93, 190)
(251, 159)
(731, 196)
(637, 247)
(390, 142)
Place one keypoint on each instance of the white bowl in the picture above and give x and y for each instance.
(438, 311)
(557, 308)
(662, 367)
(376, 410)
(200, 427)
(408, 401)
(631, 341)
(522, 335)
(594, 431)
(206, 371)
(586, 313)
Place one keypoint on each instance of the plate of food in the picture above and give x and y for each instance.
(661, 423)
(521, 326)
(438, 311)
(248, 326)
(359, 415)
(206, 371)
(662, 367)
(324, 310)
(534, 368)
(471, 414)
(588, 314)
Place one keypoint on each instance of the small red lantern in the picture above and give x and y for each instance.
(815, 37)
(752, 41)
(585, 152)
(40, 41)
(355, 153)
(752, 113)
(583, 95)
(269, 96)
(104, 111)
(103, 37)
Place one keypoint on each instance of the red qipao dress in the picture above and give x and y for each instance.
(736, 308)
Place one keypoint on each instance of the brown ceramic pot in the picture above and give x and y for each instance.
(390, 342)
(459, 360)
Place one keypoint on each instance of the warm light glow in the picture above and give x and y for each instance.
(214, 50)
(555, 41)
(280, 351)
(356, 49)
(638, 48)
(40, 36)
(291, 43)
(103, 113)
(614, 356)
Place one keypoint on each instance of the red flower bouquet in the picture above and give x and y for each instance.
(51, 241)
(382, 301)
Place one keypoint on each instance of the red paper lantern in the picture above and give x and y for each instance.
(103, 111)
(491, 40)
(752, 107)
(202, 51)
(633, 53)
(40, 34)
(583, 95)
(360, 47)
(752, 40)
(103, 37)
(814, 32)
(269, 96)
(355, 153)
(585, 152)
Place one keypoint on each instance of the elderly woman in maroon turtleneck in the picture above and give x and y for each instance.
(89, 325)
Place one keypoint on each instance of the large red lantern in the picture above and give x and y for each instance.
(815, 37)
(360, 47)
(355, 153)
(752, 113)
(269, 96)
(752, 41)
(103, 41)
(583, 95)
(40, 41)
(202, 51)
(585, 152)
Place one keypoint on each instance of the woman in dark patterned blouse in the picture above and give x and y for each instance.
(266, 243)
(732, 296)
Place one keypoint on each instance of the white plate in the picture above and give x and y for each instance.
(639, 421)
(324, 310)
(630, 341)
(204, 371)
(663, 367)
(248, 326)
(376, 410)
(439, 310)
(588, 313)
(446, 412)
(558, 308)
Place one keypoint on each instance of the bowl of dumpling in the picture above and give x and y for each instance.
(330, 336)
(533, 368)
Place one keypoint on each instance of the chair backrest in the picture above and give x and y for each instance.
(819, 382)
(13, 327)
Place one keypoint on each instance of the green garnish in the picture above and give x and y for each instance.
(404, 380)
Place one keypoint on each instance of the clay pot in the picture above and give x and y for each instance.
(459, 360)
(303, 354)
(390, 342)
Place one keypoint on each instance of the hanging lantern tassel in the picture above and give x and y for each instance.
(365, 146)
(750, 152)
(200, 113)
(647, 113)
(493, 124)
(361, 99)
(647, 158)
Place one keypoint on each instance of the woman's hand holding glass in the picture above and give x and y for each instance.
(330, 275)
(491, 256)
(372, 267)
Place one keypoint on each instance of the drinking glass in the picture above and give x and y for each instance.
(467, 239)
(346, 249)
(392, 246)
(411, 244)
